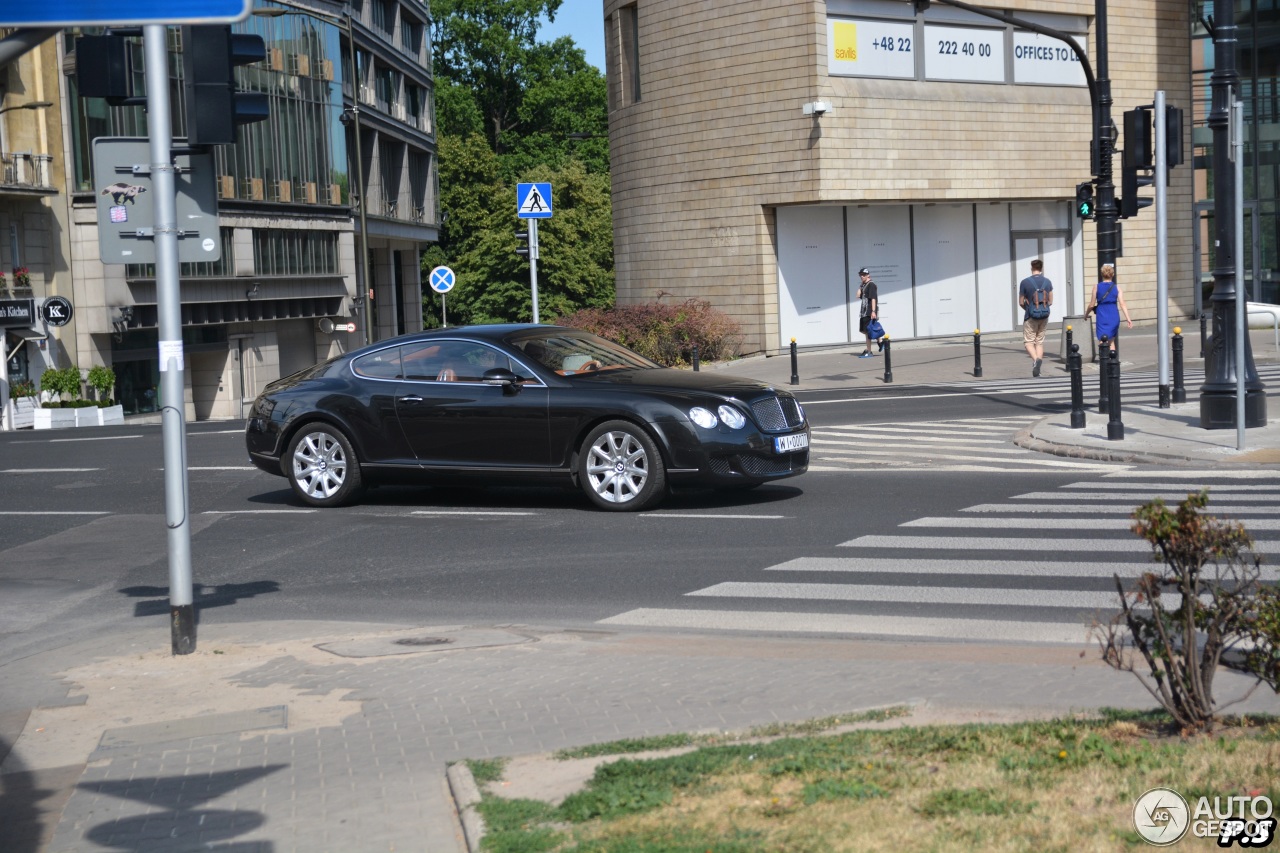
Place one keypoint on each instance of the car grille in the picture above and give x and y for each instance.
(758, 466)
(776, 414)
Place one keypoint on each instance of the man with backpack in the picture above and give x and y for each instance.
(1035, 296)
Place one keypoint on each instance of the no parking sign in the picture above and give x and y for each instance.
(442, 279)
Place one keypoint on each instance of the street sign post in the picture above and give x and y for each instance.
(80, 13)
(442, 281)
(127, 203)
(533, 202)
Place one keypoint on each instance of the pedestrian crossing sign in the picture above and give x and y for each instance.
(533, 201)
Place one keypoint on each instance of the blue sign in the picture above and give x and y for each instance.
(442, 279)
(533, 201)
(72, 13)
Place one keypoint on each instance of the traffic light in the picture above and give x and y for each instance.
(523, 251)
(104, 68)
(1084, 200)
(210, 55)
(1136, 157)
(1172, 136)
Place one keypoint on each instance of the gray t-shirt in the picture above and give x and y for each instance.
(1027, 290)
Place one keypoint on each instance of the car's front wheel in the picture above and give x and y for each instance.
(322, 466)
(620, 467)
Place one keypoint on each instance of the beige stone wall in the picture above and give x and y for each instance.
(718, 140)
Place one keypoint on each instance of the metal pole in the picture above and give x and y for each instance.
(1077, 386)
(6, 405)
(795, 364)
(1218, 394)
(1104, 383)
(1179, 384)
(1107, 217)
(444, 312)
(182, 621)
(888, 358)
(1162, 251)
(1115, 426)
(533, 265)
(366, 284)
(977, 353)
(1237, 124)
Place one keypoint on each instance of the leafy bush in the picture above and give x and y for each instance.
(1225, 615)
(64, 381)
(21, 389)
(664, 332)
(103, 381)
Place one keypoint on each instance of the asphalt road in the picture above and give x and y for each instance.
(85, 549)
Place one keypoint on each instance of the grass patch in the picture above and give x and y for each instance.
(1053, 785)
(485, 770)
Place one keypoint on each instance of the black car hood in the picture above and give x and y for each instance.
(668, 379)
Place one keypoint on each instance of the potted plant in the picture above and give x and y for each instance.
(53, 414)
(21, 279)
(102, 380)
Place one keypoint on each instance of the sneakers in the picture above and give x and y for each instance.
(1035, 367)
(867, 354)
(880, 345)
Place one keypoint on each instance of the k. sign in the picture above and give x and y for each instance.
(57, 311)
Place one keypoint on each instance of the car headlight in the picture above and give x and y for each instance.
(800, 411)
(732, 418)
(702, 417)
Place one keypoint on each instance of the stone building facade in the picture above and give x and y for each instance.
(943, 153)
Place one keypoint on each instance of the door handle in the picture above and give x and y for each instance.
(411, 399)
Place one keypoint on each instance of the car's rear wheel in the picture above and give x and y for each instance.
(322, 466)
(620, 468)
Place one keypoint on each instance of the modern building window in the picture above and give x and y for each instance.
(384, 16)
(277, 251)
(629, 53)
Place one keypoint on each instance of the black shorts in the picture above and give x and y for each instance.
(863, 322)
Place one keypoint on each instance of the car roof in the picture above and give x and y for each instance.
(491, 332)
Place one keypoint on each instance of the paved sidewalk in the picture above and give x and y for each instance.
(323, 736)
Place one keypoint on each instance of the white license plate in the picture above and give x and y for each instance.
(790, 443)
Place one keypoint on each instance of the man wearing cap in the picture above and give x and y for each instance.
(868, 293)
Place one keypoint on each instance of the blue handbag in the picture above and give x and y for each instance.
(874, 330)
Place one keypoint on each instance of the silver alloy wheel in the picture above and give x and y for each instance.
(617, 467)
(319, 465)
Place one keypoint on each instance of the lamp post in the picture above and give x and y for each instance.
(34, 105)
(350, 115)
(1218, 394)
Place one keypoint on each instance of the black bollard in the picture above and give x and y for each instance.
(1070, 343)
(1115, 427)
(1204, 333)
(888, 361)
(795, 364)
(977, 352)
(1179, 386)
(1104, 387)
(695, 358)
(1077, 386)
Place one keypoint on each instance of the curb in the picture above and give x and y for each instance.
(1027, 440)
(466, 796)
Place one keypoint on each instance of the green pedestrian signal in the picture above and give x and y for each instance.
(1084, 200)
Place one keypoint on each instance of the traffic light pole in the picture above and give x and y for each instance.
(1107, 214)
(182, 623)
(1218, 394)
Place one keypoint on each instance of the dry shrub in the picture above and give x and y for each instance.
(665, 333)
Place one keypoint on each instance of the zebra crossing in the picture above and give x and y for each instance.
(994, 572)
(1137, 388)
(969, 444)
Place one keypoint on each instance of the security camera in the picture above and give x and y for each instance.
(816, 108)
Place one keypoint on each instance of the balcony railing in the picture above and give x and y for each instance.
(24, 169)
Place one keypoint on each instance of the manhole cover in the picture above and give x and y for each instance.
(423, 641)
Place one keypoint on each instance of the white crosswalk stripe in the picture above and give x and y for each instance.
(970, 585)
(965, 444)
(1136, 388)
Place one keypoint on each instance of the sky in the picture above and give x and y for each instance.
(583, 21)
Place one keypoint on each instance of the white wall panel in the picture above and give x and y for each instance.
(997, 303)
(811, 276)
(880, 239)
(946, 278)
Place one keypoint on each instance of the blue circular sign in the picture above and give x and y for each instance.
(442, 279)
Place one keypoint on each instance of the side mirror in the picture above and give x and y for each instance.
(500, 376)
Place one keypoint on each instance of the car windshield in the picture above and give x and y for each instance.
(571, 352)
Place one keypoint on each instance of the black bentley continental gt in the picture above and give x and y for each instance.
(521, 404)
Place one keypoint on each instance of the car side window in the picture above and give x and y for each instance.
(454, 361)
(383, 364)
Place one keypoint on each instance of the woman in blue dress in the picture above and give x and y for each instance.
(1108, 301)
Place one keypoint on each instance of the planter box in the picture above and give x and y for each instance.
(54, 418)
(111, 415)
(87, 416)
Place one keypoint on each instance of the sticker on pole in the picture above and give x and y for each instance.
(533, 201)
(442, 279)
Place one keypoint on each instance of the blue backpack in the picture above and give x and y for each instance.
(1038, 304)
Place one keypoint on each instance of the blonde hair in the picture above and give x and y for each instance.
(1108, 270)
